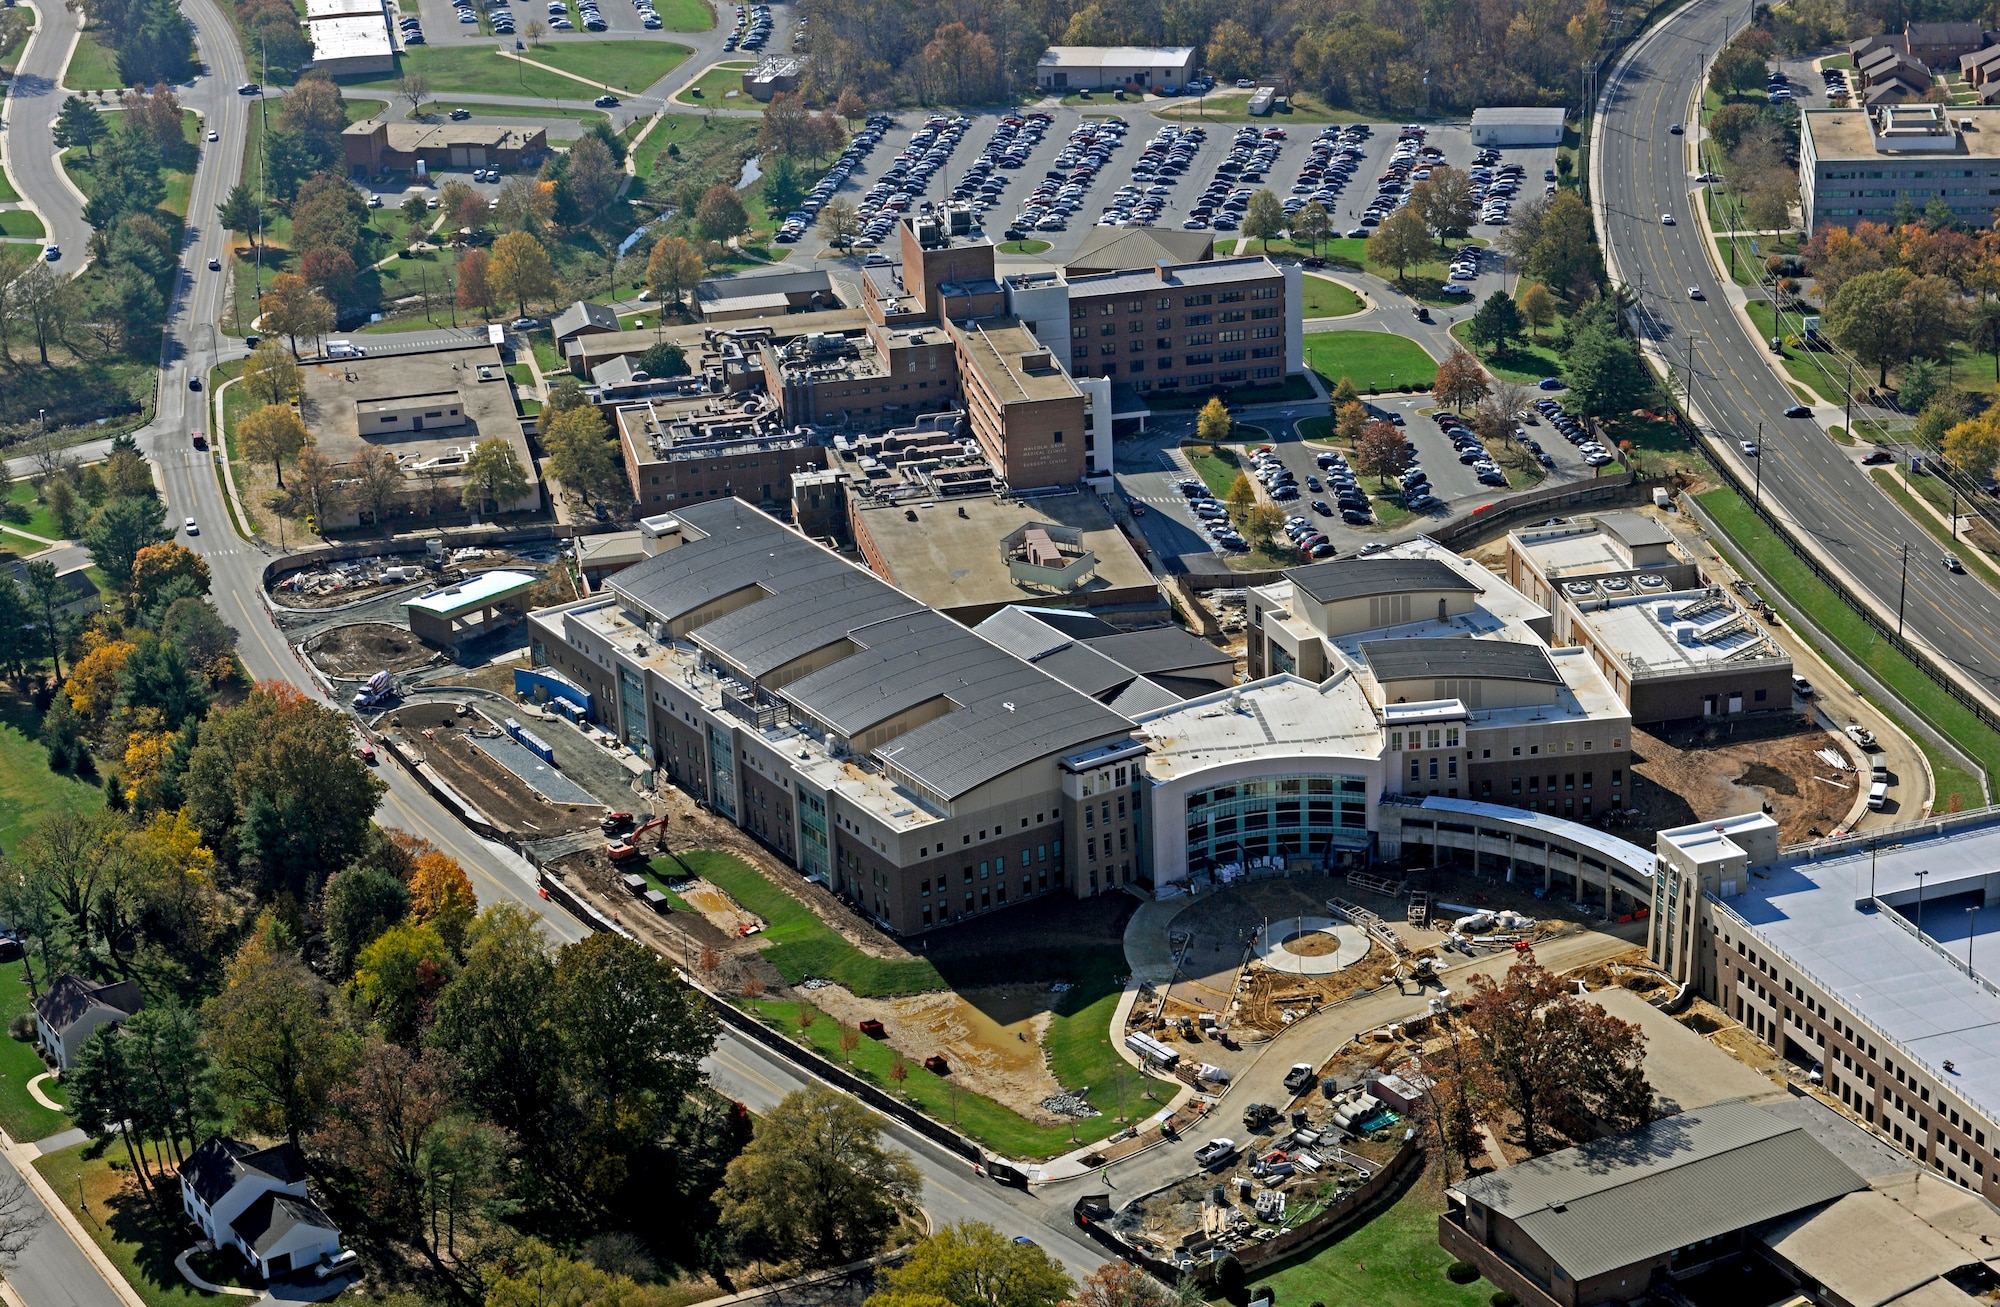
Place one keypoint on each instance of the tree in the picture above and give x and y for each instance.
(536, 1275)
(675, 267)
(1557, 1058)
(164, 1048)
(414, 87)
(1264, 218)
(1983, 331)
(1214, 423)
(1234, 50)
(664, 359)
(581, 453)
(49, 303)
(157, 683)
(1348, 422)
(536, 30)
(1538, 307)
(1736, 68)
(851, 107)
(416, 211)
(104, 1096)
(119, 530)
(1606, 374)
(1564, 254)
(376, 479)
(1241, 494)
(1497, 321)
(523, 204)
(441, 897)
(594, 176)
(784, 130)
(1974, 446)
(273, 433)
(1380, 453)
(397, 977)
(331, 272)
(495, 1017)
(494, 476)
(971, 1264)
(1118, 1284)
(278, 1051)
(317, 481)
(1312, 225)
(381, 1130)
(270, 374)
(783, 187)
(1445, 202)
(78, 124)
(356, 906)
(1262, 522)
(1460, 379)
(1400, 240)
(720, 216)
(239, 211)
(1920, 382)
(474, 290)
(519, 270)
(293, 309)
(815, 1184)
(164, 572)
(46, 597)
(839, 224)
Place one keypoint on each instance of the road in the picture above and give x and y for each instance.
(1640, 171)
(31, 114)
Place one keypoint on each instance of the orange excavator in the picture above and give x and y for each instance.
(626, 847)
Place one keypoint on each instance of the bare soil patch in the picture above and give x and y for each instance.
(501, 796)
(361, 649)
(1721, 769)
(1312, 944)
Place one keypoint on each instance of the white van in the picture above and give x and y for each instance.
(1878, 795)
(344, 349)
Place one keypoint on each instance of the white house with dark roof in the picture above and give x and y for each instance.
(255, 1201)
(72, 1009)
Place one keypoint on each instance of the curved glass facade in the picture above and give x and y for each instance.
(1276, 815)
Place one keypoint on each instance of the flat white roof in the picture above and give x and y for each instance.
(1687, 630)
(1280, 717)
(1536, 117)
(474, 592)
(318, 10)
(351, 38)
(1115, 56)
(1623, 853)
(1815, 911)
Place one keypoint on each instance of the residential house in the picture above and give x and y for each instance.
(72, 1008)
(255, 1201)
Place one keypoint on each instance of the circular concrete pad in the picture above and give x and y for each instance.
(1316, 946)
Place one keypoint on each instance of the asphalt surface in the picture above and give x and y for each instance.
(31, 110)
(1640, 171)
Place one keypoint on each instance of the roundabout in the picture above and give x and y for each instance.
(1312, 946)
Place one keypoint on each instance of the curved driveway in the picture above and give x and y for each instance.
(31, 151)
(1640, 171)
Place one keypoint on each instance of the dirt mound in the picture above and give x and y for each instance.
(1719, 769)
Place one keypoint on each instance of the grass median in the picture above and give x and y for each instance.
(1749, 538)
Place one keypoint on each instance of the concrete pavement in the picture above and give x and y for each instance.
(32, 104)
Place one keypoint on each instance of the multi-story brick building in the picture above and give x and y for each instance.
(1025, 412)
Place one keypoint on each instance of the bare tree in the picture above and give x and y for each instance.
(20, 1217)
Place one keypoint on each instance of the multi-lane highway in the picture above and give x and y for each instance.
(1639, 171)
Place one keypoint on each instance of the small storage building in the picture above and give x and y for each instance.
(1501, 128)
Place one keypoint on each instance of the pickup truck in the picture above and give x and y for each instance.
(1215, 1152)
(1862, 736)
(1301, 1077)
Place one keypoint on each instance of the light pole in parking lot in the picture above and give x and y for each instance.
(1920, 901)
(1903, 592)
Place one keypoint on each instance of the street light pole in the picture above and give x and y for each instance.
(1757, 496)
(1903, 592)
(1920, 901)
(1971, 927)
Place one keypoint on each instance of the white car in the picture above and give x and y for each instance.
(1694, 293)
(190, 527)
(1666, 220)
(215, 136)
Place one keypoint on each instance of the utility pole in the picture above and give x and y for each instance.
(1850, 401)
(1757, 496)
(1903, 592)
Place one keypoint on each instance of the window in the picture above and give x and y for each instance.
(1198, 319)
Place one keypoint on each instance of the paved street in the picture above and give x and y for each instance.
(1640, 171)
(30, 116)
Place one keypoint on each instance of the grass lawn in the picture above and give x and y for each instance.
(1392, 1260)
(1804, 365)
(693, 147)
(712, 89)
(685, 15)
(1373, 360)
(1749, 536)
(92, 67)
(21, 1116)
(1023, 247)
(630, 66)
(39, 521)
(1326, 298)
(475, 68)
(1837, 61)
(28, 789)
(8, 194)
(125, 1226)
(1525, 362)
(21, 223)
(1217, 465)
(797, 942)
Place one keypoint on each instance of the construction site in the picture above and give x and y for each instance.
(499, 777)
(360, 649)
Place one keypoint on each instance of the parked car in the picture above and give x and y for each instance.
(1215, 1151)
(1803, 688)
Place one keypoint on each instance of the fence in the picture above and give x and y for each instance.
(1091, 1210)
(1887, 633)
